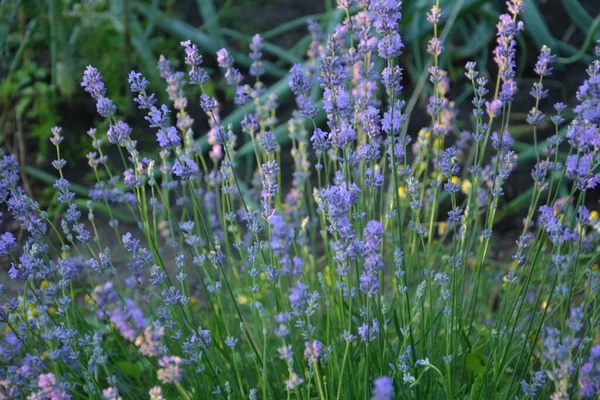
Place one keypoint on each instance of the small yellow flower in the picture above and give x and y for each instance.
(402, 191)
(52, 310)
(305, 223)
(327, 275)
(438, 143)
(442, 228)
(193, 300)
(44, 285)
(87, 298)
(64, 254)
(455, 180)
(594, 216)
(544, 303)
(466, 186)
(595, 267)
(423, 134)
(242, 299)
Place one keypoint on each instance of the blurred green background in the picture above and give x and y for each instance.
(46, 44)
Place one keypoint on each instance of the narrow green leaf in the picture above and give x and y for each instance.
(589, 39)
(31, 29)
(130, 369)
(266, 46)
(184, 31)
(210, 19)
(579, 16)
(295, 23)
(476, 363)
(536, 26)
(79, 190)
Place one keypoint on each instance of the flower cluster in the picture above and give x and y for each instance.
(362, 265)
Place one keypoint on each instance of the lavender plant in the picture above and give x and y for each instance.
(361, 268)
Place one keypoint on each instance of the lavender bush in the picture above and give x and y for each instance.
(359, 269)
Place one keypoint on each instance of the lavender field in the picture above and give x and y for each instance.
(401, 205)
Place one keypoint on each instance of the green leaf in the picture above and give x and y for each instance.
(540, 34)
(591, 33)
(476, 363)
(184, 31)
(282, 54)
(130, 369)
(579, 16)
(210, 19)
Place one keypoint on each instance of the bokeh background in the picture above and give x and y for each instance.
(46, 44)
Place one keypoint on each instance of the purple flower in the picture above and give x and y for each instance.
(320, 141)
(256, 68)
(343, 136)
(293, 382)
(509, 89)
(224, 59)
(392, 79)
(313, 350)
(580, 170)
(383, 389)
(137, 82)
(368, 334)
(185, 168)
(105, 107)
(390, 46)
(298, 295)
(194, 59)
(544, 61)
(50, 388)
(168, 138)
(297, 81)
(386, 14)
(369, 283)
(119, 133)
(192, 56)
(268, 141)
(170, 371)
(435, 46)
(92, 82)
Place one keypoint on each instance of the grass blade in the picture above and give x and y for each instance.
(210, 20)
(267, 47)
(182, 30)
(540, 34)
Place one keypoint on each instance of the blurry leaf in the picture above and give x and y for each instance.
(536, 26)
(22, 105)
(130, 369)
(144, 51)
(478, 40)
(31, 29)
(79, 190)
(476, 363)
(184, 31)
(210, 19)
(267, 47)
(577, 13)
(589, 39)
(8, 10)
(295, 23)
